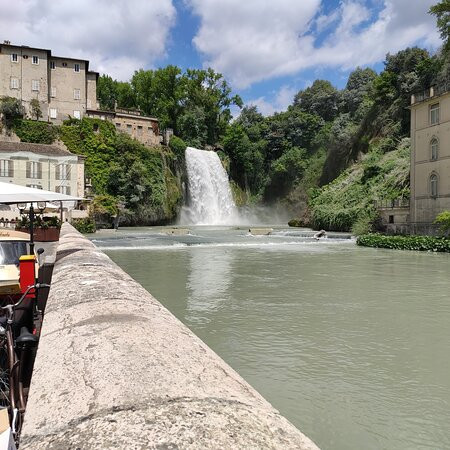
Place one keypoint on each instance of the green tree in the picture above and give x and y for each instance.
(107, 92)
(36, 111)
(442, 12)
(321, 98)
(10, 109)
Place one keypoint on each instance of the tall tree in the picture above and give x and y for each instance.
(442, 12)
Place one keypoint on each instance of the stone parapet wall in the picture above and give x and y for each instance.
(115, 369)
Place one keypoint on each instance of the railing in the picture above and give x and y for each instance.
(433, 91)
(395, 203)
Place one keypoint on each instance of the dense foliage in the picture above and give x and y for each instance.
(443, 220)
(10, 110)
(419, 243)
(33, 131)
(195, 104)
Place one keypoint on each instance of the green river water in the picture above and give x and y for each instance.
(351, 344)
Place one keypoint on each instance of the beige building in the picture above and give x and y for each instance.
(64, 87)
(430, 157)
(142, 128)
(43, 167)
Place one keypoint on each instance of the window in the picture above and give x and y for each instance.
(35, 59)
(35, 85)
(52, 65)
(14, 57)
(434, 149)
(6, 168)
(63, 190)
(53, 92)
(128, 128)
(34, 186)
(434, 114)
(139, 130)
(391, 219)
(76, 94)
(34, 170)
(53, 113)
(434, 185)
(76, 67)
(64, 64)
(117, 125)
(150, 130)
(77, 114)
(62, 172)
(14, 83)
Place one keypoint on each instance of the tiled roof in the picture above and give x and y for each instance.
(42, 149)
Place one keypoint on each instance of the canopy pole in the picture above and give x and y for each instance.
(31, 229)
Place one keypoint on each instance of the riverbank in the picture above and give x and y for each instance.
(115, 369)
(417, 243)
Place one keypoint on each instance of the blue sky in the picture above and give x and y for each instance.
(266, 49)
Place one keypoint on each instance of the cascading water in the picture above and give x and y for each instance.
(210, 201)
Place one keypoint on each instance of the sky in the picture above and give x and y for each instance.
(268, 50)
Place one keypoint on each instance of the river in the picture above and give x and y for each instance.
(350, 344)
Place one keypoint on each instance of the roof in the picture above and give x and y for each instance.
(42, 149)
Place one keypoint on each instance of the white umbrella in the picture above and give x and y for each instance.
(13, 193)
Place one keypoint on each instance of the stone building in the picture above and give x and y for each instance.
(142, 128)
(42, 166)
(430, 157)
(63, 86)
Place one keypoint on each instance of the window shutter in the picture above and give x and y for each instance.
(28, 169)
(11, 168)
(57, 189)
(67, 190)
(57, 172)
(39, 170)
(68, 170)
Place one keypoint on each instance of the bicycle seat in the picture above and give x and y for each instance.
(27, 338)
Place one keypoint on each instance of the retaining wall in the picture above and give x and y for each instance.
(115, 369)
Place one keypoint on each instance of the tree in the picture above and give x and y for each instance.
(321, 99)
(10, 109)
(35, 106)
(359, 86)
(107, 92)
(442, 12)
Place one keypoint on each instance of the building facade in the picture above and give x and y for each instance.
(43, 167)
(142, 128)
(64, 87)
(430, 157)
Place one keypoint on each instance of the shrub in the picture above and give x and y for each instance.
(36, 132)
(443, 219)
(178, 146)
(419, 243)
(84, 226)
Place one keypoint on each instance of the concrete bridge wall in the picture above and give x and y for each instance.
(116, 370)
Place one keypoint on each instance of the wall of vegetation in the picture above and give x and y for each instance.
(140, 184)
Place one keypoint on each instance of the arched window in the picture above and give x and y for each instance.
(434, 185)
(434, 145)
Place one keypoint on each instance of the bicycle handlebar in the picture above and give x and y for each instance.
(33, 286)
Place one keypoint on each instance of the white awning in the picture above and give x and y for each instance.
(13, 193)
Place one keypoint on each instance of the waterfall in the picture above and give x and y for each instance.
(210, 201)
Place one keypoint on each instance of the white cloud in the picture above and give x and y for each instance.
(116, 36)
(283, 98)
(254, 40)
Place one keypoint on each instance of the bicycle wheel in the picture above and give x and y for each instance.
(4, 374)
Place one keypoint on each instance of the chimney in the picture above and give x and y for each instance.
(7, 42)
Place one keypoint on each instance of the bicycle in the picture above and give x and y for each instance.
(15, 360)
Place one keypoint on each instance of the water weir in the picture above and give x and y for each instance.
(210, 201)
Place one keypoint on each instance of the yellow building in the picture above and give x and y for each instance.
(430, 157)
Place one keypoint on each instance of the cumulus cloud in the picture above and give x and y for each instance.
(253, 40)
(282, 99)
(116, 36)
